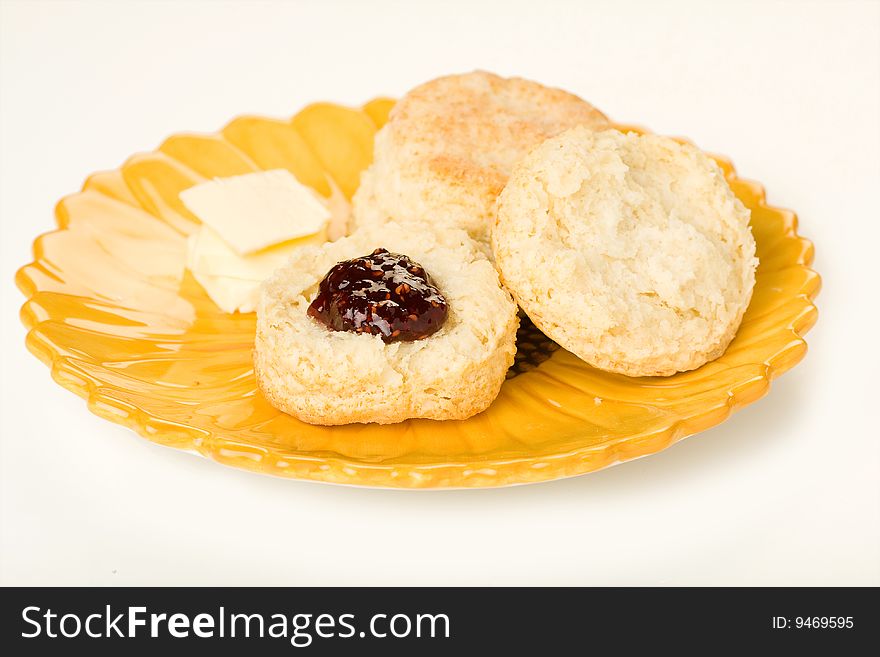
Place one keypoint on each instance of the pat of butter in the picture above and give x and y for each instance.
(230, 294)
(232, 280)
(257, 210)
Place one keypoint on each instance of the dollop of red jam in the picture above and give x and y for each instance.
(385, 294)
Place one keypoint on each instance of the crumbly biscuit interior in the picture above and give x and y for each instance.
(635, 244)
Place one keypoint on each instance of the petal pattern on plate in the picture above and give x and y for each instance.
(113, 313)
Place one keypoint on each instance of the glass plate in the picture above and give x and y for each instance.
(113, 313)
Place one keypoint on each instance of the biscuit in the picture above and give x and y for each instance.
(336, 377)
(450, 144)
(630, 251)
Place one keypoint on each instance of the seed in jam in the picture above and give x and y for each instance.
(385, 294)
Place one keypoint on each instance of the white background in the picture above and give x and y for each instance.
(786, 492)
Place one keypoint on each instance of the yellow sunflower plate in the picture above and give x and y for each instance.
(113, 313)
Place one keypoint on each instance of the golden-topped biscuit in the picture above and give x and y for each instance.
(450, 144)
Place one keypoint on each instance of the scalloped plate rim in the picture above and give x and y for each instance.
(671, 434)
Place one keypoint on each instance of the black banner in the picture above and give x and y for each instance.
(434, 621)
